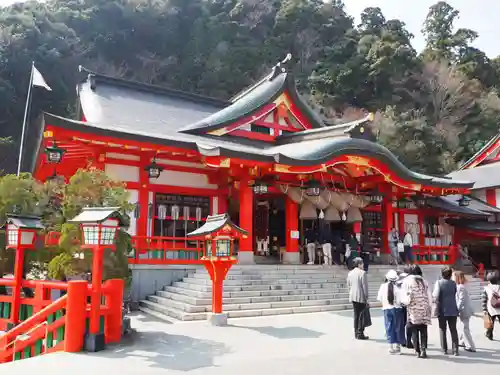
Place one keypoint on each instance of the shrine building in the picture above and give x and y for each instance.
(264, 156)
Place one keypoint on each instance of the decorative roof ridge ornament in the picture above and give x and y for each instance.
(280, 67)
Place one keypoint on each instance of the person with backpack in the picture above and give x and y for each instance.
(394, 319)
(491, 303)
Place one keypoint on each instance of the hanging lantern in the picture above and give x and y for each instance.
(175, 212)
(153, 169)
(54, 153)
(464, 201)
(313, 188)
(259, 187)
(376, 198)
(198, 213)
(421, 201)
(162, 212)
(185, 212)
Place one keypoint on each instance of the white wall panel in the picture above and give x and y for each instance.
(122, 172)
(116, 155)
(184, 179)
(133, 198)
(479, 194)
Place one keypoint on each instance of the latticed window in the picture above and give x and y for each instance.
(12, 239)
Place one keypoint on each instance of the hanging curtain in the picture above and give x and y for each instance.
(357, 201)
(337, 201)
(354, 215)
(295, 194)
(308, 211)
(332, 214)
(318, 201)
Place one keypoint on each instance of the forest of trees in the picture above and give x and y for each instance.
(434, 108)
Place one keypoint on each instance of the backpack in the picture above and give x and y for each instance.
(495, 301)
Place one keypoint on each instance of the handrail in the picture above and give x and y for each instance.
(36, 318)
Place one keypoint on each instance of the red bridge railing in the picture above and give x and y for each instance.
(43, 320)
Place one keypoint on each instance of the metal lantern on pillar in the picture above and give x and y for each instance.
(153, 169)
(421, 201)
(54, 153)
(218, 234)
(464, 201)
(21, 231)
(99, 226)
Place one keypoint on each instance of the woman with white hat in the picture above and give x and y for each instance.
(389, 296)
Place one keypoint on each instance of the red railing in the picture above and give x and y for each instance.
(433, 254)
(47, 325)
(165, 250)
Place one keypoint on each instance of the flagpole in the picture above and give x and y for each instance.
(25, 120)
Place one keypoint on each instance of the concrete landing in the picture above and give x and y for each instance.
(319, 343)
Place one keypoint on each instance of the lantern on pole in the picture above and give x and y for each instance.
(99, 227)
(21, 233)
(218, 234)
(162, 215)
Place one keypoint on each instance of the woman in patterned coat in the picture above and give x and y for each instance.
(418, 300)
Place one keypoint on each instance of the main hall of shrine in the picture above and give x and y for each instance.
(264, 156)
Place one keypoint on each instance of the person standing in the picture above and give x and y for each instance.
(418, 300)
(408, 245)
(465, 312)
(393, 245)
(366, 250)
(389, 297)
(490, 301)
(357, 283)
(326, 244)
(311, 238)
(444, 295)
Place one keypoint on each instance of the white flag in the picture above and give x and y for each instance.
(38, 79)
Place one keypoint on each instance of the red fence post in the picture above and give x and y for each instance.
(114, 318)
(76, 311)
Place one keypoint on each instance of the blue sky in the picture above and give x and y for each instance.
(482, 16)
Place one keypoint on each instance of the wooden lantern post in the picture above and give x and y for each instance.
(21, 233)
(99, 226)
(218, 235)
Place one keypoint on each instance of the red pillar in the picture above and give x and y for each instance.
(217, 269)
(421, 225)
(97, 270)
(18, 279)
(76, 311)
(292, 225)
(387, 218)
(142, 221)
(246, 217)
(114, 318)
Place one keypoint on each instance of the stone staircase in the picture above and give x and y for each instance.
(261, 290)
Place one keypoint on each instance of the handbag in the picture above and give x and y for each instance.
(488, 323)
(495, 300)
(366, 317)
(401, 247)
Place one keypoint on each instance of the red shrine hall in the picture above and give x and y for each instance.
(264, 156)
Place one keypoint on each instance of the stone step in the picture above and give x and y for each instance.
(156, 314)
(187, 316)
(276, 281)
(245, 294)
(206, 299)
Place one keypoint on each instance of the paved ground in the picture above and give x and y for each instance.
(292, 344)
